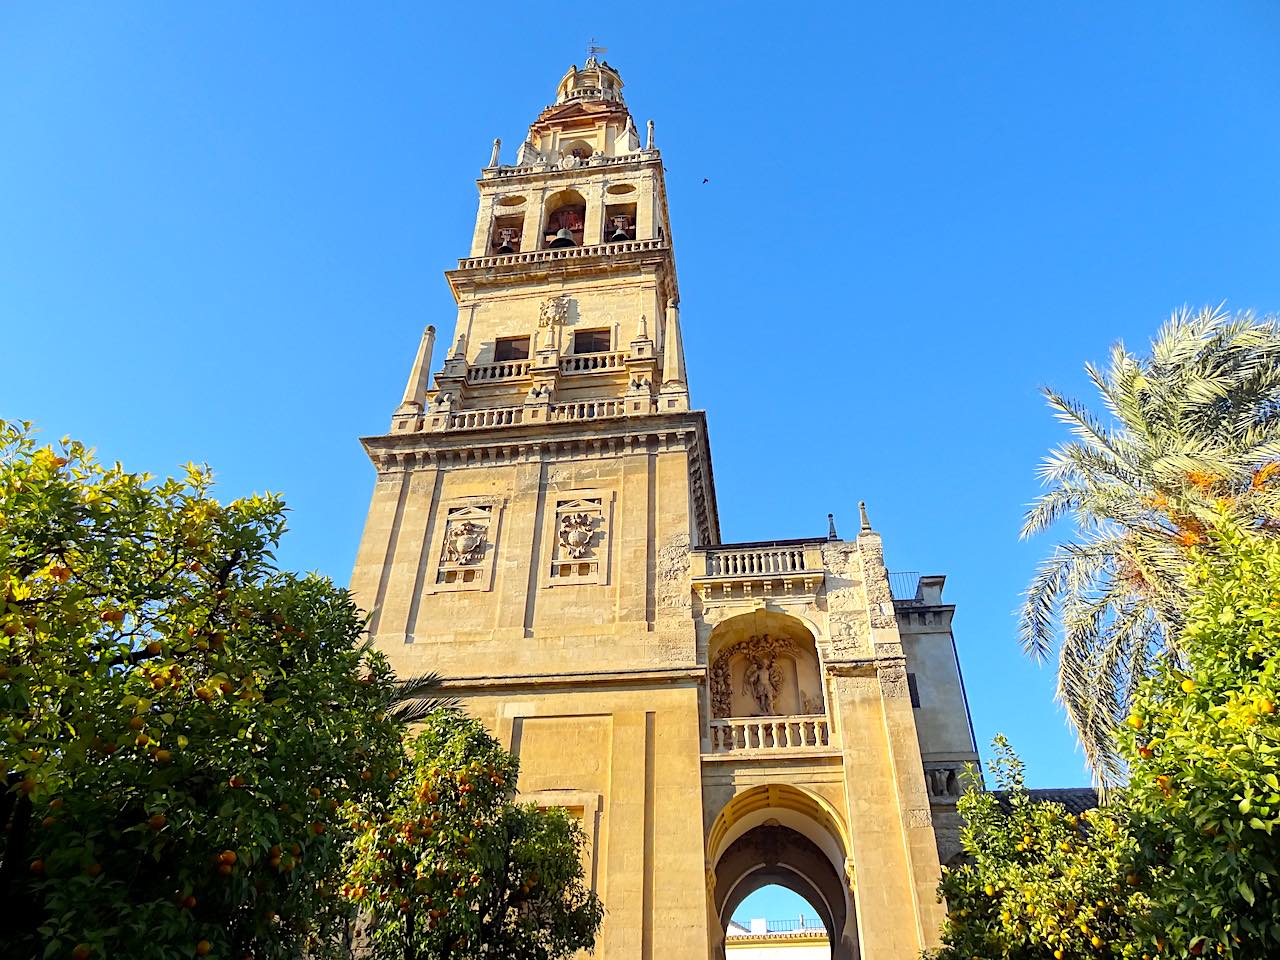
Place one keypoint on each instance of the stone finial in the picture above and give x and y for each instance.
(831, 527)
(415, 390)
(497, 148)
(862, 513)
(672, 349)
(644, 328)
(460, 348)
(648, 143)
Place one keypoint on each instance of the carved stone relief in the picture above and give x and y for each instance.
(465, 542)
(579, 551)
(575, 533)
(465, 546)
(554, 311)
(762, 678)
(673, 575)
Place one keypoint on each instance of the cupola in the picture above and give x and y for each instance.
(595, 81)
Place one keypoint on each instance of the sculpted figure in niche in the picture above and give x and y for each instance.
(759, 684)
(575, 533)
(762, 676)
(465, 543)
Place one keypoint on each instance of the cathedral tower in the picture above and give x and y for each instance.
(543, 533)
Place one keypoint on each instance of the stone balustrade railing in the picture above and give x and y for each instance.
(564, 253)
(595, 160)
(769, 733)
(588, 409)
(487, 373)
(739, 563)
(490, 417)
(591, 362)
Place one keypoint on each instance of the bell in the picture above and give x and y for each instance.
(619, 235)
(563, 239)
(506, 248)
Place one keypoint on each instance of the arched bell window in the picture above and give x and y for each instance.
(566, 219)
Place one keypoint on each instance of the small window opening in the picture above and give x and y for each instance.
(506, 235)
(511, 348)
(619, 222)
(913, 689)
(592, 341)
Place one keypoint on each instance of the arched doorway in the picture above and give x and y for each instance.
(774, 922)
(780, 834)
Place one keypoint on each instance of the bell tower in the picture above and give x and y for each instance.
(543, 533)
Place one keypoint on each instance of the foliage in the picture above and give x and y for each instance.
(1203, 746)
(1042, 883)
(455, 868)
(1196, 421)
(1185, 858)
(179, 722)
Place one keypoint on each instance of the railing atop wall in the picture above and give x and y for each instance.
(591, 362)
(769, 733)
(904, 585)
(491, 417)
(737, 563)
(595, 160)
(564, 253)
(509, 370)
(588, 410)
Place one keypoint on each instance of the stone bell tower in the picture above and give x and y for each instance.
(543, 533)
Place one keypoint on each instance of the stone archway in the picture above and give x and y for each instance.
(780, 834)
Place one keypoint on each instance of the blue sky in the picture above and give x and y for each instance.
(224, 227)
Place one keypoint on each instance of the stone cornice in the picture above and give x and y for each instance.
(863, 666)
(685, 675)
(539, 266)
(576, 439)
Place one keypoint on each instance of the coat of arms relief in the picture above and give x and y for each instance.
(575, 533)
(464, 543)
(554, 312)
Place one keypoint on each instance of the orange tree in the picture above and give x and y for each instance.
(1185, 858)
(1203, 748)
(455, 868)
(179, 722)
(1041, 882)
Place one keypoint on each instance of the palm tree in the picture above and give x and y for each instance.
(1194, 432)
(415, 698)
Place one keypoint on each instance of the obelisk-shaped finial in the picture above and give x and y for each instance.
(862, 513)
(415, 390)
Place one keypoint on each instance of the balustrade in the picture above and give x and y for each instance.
(588, 410)
(743, 563)
(491, 417)
(498, 371)
(769, 733)
(564, 253)
(591, 362)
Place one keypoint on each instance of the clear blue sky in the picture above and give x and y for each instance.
(222, 228)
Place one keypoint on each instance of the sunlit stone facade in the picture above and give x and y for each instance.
(544, 533)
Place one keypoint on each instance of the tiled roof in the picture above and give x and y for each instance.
(1074, 799)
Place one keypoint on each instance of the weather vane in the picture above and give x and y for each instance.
(593, 50)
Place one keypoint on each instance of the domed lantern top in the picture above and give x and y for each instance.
(595, 81)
